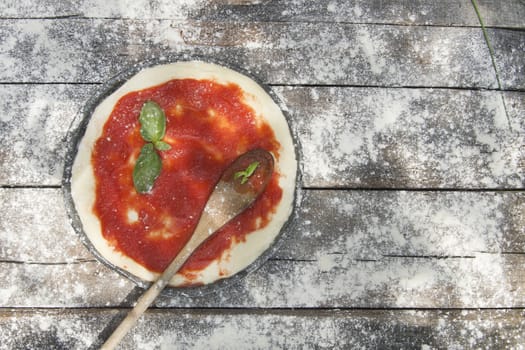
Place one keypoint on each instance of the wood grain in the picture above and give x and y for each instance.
(350, 137)
(483, 281)
(407, 138)
(509, 56)
(34, 120)
(346, 249)
(87, 50)
(253, 329)
(515, 105)
(420, 12)
(401, 12)
(508, 14)
(361, 225)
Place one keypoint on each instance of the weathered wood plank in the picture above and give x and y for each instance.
(84, 50)
(515, 105)
(407, 138)
(421, 12)
(355, 137)
(364, 225)
(361, 225)
(213, 329)
(34, 120)
(35, 228)
(509, 56)
(484, 281)
(507, 14)
(346, 249)
(143, 9)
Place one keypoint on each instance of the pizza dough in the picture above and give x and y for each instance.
(240, 254)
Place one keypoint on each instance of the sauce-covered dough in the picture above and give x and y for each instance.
(213, 115)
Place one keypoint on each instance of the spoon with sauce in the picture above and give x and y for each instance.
(239, 186)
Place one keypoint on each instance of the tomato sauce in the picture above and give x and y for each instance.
(207, 125)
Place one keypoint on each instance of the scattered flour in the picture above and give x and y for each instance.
(174, 9)
(31, 214)
(232, 336)
(34, 138)
(6, 293)
(436, 225)
(358, 12)
(372, 50)
(413, 138)
(326, 262)
(332, 7)
(421, 250)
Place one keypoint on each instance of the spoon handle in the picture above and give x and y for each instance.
(210, 221)
(226, 201)
(153, 291)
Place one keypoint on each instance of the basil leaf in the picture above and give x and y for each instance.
(162, 146)
(245, 174)
(147, 169)
(152, 122)
(251, 168)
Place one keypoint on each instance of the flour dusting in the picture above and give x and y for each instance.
(418, 250)
(174, 9)
(35, 122)
(369, 249)
(407, 137)
(371, 48)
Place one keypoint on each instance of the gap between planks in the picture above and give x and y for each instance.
(44, 263)
(327, 188)
(276, 21)
(287, 260)
(255, 311)
(409, 189)
(277, 85)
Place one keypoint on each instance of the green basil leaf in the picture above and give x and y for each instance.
(245, 174)
(147, 169)
(152, 122)
(162, 146)
(251, 168)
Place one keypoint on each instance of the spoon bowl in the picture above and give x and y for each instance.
(232, 194)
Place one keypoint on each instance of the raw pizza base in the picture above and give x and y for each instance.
(240, 254)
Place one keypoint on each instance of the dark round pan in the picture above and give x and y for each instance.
(76, 133)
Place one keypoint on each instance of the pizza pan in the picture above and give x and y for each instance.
(78, 129)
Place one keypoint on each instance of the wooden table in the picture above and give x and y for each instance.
(410, 231)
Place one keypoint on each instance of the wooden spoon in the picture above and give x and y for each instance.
(240, 184)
